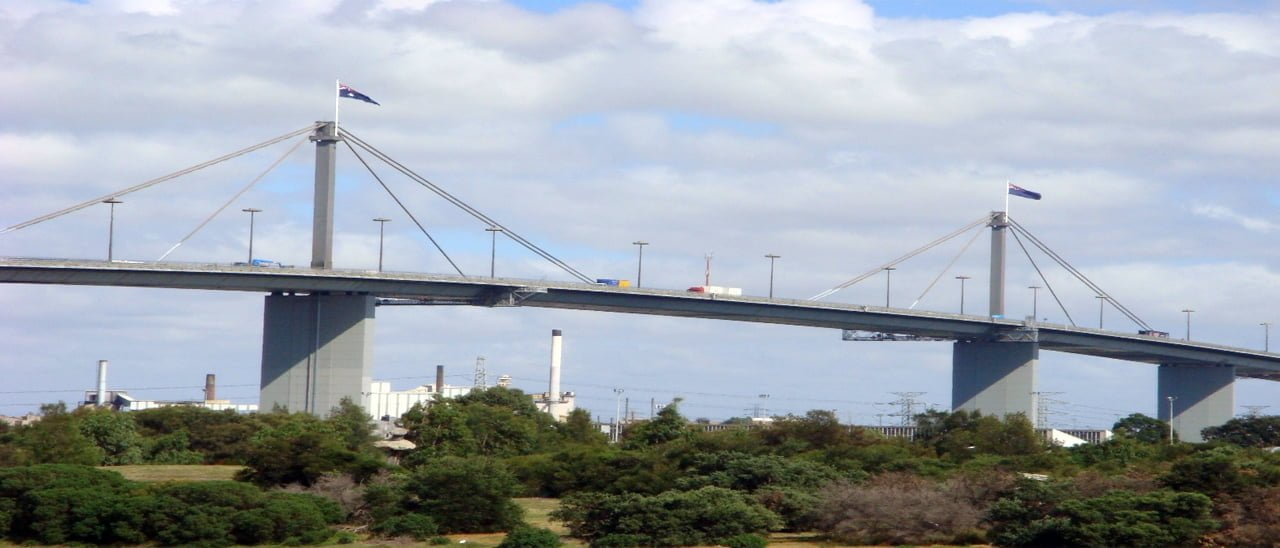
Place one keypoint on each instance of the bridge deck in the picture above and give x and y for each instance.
(441, 289)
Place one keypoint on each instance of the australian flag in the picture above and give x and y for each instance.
(346, 91)
(1022, 192)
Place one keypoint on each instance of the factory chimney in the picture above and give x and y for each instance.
(210, 387)
(553, 394)
(102, 383)
(439, 379)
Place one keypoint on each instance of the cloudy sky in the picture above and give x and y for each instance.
(838, 134)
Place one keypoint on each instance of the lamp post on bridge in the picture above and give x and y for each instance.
(1102, 299)
(1188, 312)
(1035, 298)
(962, 279)
(111, 227)
(382, 225)
(493, 247)
(251, 211)
(1266, 336)
(772, 257)
(888, 277)
(639, 262)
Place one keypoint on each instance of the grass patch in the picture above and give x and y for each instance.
(176, 472)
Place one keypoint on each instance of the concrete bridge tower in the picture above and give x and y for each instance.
(317, 348)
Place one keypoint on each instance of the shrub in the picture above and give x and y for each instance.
(674, 518)
(747, 540)
(531, 537)
(895, 509)
(1045, 515)
(796, 507)
(619, 541)
(416, 526)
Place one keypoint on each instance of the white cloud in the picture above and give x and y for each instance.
(879, 135)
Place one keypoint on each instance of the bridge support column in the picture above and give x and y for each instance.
(1203, 395)
(316, 349)
(996, 378)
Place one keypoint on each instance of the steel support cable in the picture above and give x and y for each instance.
(1047, 285)
(466, 207)
(1079, 275)
(405, 209)
(976, 233)
(917, 251)
(237, 196)
(159, 180)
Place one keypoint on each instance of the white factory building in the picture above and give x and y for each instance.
(383, 403)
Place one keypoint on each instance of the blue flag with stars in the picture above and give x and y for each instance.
(346, 91)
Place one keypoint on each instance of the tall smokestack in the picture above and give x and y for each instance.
(102, 383)
(553, 394)
(210, 387)
(439, 379)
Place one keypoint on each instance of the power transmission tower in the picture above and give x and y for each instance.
(1043, 407)
(481, 379)
(907, 406)
(1253, 411)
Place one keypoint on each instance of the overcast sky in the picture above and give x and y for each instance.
(838, 134)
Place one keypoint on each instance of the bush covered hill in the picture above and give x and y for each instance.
(965, 479)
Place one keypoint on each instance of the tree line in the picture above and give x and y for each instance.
(966, 478)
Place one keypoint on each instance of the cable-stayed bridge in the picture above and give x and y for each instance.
(318, 320)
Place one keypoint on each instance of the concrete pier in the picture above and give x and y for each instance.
(1203, 396)
(996, 378)
(316, 349)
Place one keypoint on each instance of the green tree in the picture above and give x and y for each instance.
(668, 425)
(676, 518)
(352, 423)
(1142, 428)
(472, 495)
(1247, 432)
(300, 448)
(112, 432)
(56, 438)
(579, 428)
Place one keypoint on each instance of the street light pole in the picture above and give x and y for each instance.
(1102, 299)
(1188, 312)
(617, 416)
(111, 227)
(640, 262)
(888, 276)
(1035, 299)
(1171, 398)
(771, 258)
(1266, 336)
(382, 225)
(962, 279)
(493, 247)
(251, 211)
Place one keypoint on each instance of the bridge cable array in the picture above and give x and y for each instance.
(976, 233)
(161, 179)
(405, 209)
(1018, 228)
(463, 205)
(981, 221)
(1047, 285)
(237, 196)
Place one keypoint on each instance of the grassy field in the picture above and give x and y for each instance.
(175, 472)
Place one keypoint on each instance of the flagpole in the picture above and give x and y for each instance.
(1006, 198)
(337, 94)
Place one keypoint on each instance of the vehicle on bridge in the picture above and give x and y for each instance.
(613, 282)
(716, 290)
(1154, 333)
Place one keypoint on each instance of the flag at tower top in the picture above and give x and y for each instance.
(1022, 192)
(346, 91)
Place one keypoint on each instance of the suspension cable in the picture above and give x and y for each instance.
(917, 251)
(405, 209)
(1047, 285)
(158, 180)
(976, 233)
(464, 206)
(1079, 275)
(237, 196)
